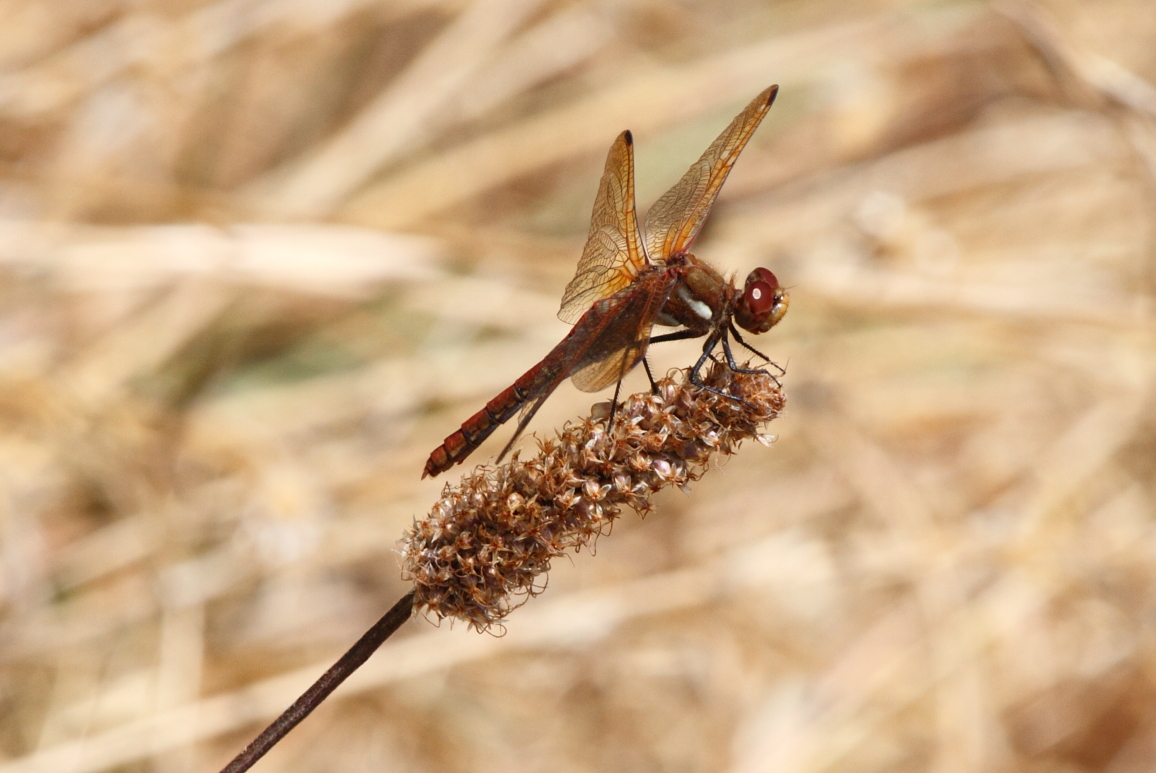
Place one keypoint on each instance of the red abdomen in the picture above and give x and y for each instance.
(533, 385)
(474, 430)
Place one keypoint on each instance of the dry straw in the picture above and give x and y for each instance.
(489, 540)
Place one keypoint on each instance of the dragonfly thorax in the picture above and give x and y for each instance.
(701, 298)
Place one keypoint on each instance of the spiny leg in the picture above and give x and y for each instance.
(708, 345)
(745, 345)
(614, 404)
(649, 375)
(738, 337)
(694, 378)
(678, 335)
(707, 353)
(527, 414)
(707, 349)
(734, 365)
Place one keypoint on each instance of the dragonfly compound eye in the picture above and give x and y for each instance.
(763, 302)
(760, 298)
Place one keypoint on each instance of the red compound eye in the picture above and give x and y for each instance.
(761, 274)
(760, 297)
(760, 291)
(763, 302)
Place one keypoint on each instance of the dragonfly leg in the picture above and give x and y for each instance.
(682, 335)
(677, 335)
(708, 353)
(614, 404)
(738, 337)
(649, 375)
(735, 366)
(694, 378)
(527, 414)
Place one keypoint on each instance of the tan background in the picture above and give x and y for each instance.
(257, 257)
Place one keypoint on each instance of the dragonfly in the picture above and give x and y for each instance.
(630, 279)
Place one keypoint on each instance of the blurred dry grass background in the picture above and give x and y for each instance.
(257, 257)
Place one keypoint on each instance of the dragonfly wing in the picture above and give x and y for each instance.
(618, 331)
(677, 217)
(613, 255)
(601, 374)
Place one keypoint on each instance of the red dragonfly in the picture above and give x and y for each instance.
(627, 283)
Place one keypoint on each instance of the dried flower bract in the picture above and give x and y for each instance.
(479, 553)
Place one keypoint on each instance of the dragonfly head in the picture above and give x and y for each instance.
(763, 302)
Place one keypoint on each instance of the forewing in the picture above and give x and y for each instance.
(613, 254)
(677, 217)
(618, 331)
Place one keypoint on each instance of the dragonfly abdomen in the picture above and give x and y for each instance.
(534, 384)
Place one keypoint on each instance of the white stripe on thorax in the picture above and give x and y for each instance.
(697, 306)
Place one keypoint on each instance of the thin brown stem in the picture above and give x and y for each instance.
(312, 698)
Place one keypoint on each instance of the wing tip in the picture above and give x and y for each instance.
(627, 137)
(770, 94)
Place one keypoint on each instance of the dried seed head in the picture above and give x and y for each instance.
(477, 555)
